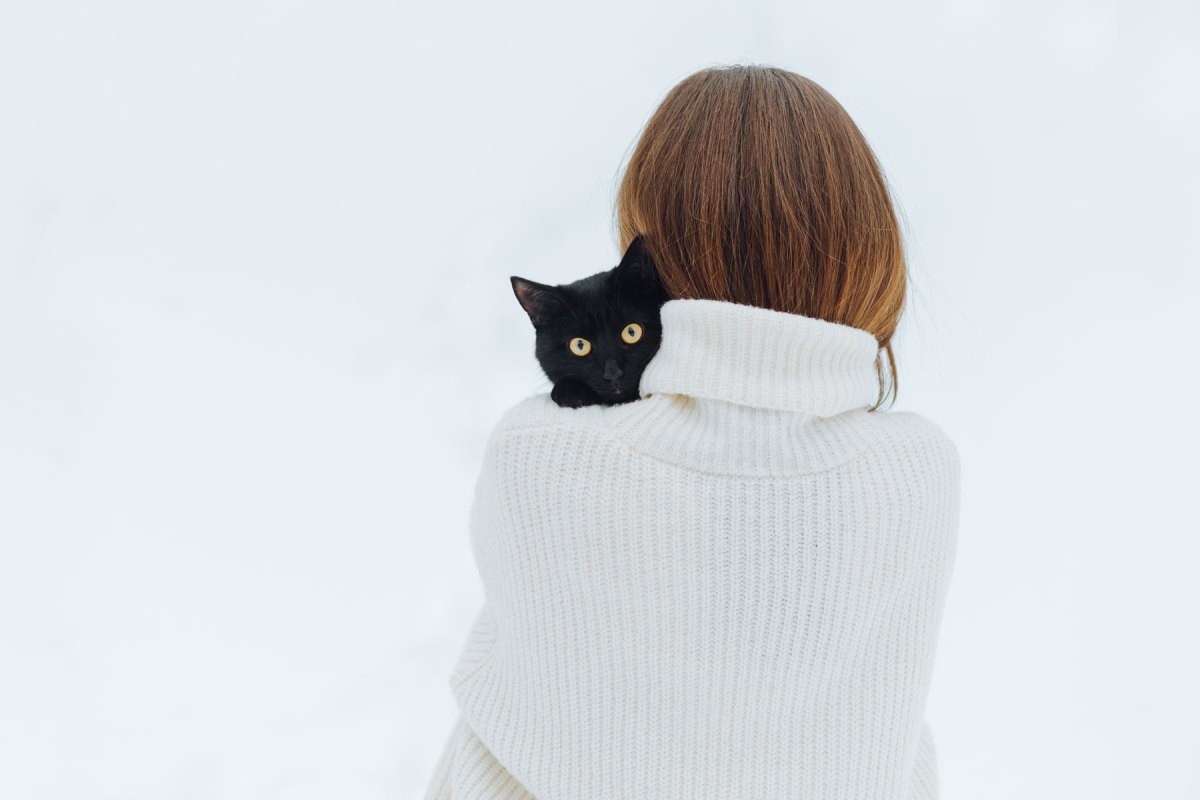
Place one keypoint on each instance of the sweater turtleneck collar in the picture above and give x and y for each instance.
(762, 358)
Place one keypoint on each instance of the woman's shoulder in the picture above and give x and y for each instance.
(538, 412)
(535, 438)
(534, 411)
(913, 446)
(717, 437)
(913, 430)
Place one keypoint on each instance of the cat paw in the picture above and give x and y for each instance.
(570, 394)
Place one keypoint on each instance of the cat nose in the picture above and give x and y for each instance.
(611, 371)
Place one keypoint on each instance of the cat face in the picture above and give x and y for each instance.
(600, 331)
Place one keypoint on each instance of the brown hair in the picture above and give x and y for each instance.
(751, 184)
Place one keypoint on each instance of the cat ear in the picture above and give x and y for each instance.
(541, 302)
(637, 271)
(637, 258)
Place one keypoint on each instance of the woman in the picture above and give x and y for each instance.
(731, 588)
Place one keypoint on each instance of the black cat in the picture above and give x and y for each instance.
(596, 335)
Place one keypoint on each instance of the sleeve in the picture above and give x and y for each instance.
(467, 770)
(942, 460)
(439, 784)
(925, 774)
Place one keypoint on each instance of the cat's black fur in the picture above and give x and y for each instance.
(596, 308)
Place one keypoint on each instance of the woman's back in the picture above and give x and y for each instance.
(730, 588)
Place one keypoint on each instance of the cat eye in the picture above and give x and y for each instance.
(580, 347)
(631, 333)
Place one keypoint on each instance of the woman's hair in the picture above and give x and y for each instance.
(751, 184)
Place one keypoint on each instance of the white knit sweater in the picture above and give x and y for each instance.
(730, 589)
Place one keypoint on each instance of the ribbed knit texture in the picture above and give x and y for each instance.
(730, 589)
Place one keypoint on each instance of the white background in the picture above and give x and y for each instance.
(255, 324)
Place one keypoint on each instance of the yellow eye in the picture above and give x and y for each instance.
(631, 333)
(580, 347)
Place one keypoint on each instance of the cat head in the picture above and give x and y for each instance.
(601, 330)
